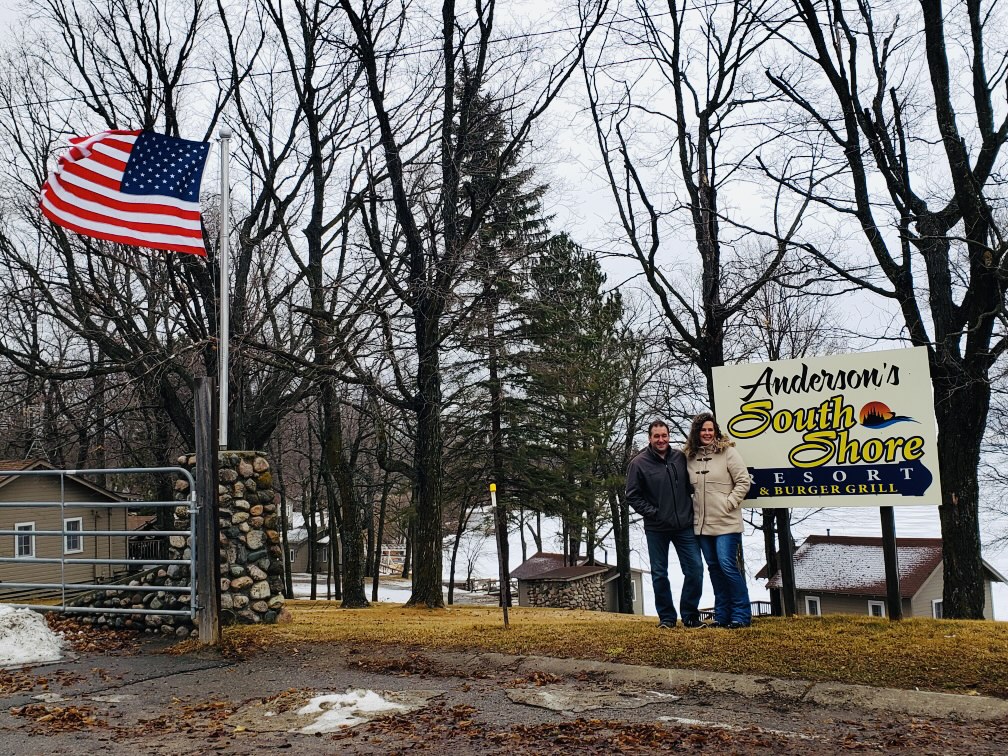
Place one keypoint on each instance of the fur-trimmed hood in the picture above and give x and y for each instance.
(720, 444)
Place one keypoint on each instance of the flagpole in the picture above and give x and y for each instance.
(223, 334)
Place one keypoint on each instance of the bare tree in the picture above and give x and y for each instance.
(434, 240)
(674, 95)
(937, 241)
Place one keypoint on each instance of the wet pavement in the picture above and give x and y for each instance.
(146, 700)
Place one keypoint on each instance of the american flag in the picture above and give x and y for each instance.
(133, 187)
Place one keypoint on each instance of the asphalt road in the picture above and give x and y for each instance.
(138, 699)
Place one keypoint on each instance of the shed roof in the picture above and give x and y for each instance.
(854, 565)
(551, 566)
(540, 563)
(564, 574)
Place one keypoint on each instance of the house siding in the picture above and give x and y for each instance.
(934, 588)
(611, 599)
(830, 603)
(300, 561)
(47, 489)
(523, 593)
(931, 589)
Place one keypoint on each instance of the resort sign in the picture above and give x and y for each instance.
(855, 430)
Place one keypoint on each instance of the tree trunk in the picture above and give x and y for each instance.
(454, 555)
(521, 532)
(334, 586)
(497, 449)
(284, 530)
(351, 512)
(369, 537)
(407, 567)
(621, 537)
(961, 411)
(427, 525)
(380, 535)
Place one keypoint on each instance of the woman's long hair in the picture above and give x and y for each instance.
(693, 443)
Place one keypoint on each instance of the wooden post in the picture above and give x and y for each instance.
(502, 568)
(206, 546)
(789, 593)
(894, 604)
(773, 560)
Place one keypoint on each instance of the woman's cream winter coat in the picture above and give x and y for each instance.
(720, 482)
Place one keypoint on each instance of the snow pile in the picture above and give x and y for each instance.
(338, 710)
(26, 639)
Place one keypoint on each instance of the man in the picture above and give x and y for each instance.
(658, 490)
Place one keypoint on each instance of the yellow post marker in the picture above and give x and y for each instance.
(500, 521)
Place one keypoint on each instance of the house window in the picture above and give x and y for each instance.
(24, 545)
(936, 608)
(876, 609)
(633, 591)
(291, 553)
(812, 606)
(73, 542)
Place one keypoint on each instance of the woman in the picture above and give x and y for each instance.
(720, 482)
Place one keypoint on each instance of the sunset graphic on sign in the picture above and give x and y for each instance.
(878, 415)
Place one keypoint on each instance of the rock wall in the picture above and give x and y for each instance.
(584, 593)
(249, 549)
(250, 545)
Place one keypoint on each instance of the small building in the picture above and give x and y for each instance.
(298, 545)
(18, 494)
(545, 580)
(846, 575)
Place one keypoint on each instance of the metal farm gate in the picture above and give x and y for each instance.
(58, 548)
(46, 552)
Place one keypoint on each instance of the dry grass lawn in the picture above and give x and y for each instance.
(950, 656)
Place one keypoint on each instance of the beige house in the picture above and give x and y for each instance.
(76, 515)
(298, 545)
(846, 575)
(545, 580)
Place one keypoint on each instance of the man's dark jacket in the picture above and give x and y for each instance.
(659, 491)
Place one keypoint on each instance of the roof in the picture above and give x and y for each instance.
(546, 565)
(17, 464)
(564, 574)
(855, 565)
(40, 464)
(140, 522)
(297, 529)
(540, 563)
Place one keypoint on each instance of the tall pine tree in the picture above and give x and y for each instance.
(500, 193)
(569, 373)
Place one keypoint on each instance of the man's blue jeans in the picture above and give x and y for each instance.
(731, 595)
(688, 550)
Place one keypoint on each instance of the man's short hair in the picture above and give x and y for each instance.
(656, 424)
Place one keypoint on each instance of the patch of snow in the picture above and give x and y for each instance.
(338, 710)
(25, 638)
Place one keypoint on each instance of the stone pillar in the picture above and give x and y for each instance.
(250, 545)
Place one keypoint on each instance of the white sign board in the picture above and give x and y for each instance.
(852, 430)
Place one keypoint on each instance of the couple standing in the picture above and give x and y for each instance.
(660, 481)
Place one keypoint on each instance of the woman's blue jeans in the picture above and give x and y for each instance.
(731, 594)
(685, 542)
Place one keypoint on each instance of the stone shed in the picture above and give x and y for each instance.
(545, 580)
